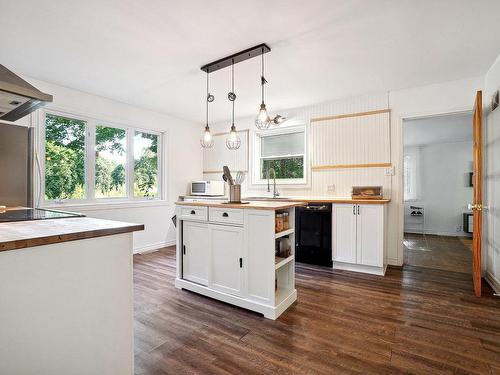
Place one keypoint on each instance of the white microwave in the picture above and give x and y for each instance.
(212, 188)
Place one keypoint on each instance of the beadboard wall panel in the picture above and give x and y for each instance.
(219, 155)
(351, 140)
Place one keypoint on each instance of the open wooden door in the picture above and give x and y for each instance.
(477, 205)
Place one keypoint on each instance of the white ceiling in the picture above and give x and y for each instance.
(439, 129)
(148, 53)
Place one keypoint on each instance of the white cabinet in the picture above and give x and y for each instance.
(370, 235)
(195, 252)
(358, 237)
(344, 232)
(226, 247)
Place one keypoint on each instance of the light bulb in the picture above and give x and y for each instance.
(233, 142)
(207, 140)
(262, 121)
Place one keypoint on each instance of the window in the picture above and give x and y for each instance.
(145, 164)
(410, 174)
(284, 151)
(90, 161)
(110, 162)
(64, 158)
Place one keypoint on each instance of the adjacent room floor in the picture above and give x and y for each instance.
(413, 320)
(438, 252)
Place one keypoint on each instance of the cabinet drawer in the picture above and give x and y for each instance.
(226, 215)
(193, 213)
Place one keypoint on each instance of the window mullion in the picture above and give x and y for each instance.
(130, 164)
(90, 160)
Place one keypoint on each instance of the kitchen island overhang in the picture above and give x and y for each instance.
(227, 252)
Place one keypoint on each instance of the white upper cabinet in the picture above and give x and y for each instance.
(219, 155)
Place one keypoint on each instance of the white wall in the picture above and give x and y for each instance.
(491, 197)
(447, 97)
(183, 159)
(443, 188)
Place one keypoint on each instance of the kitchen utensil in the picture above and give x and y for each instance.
(240, 177)
(224, 178)
(227, 173)
(234, 193)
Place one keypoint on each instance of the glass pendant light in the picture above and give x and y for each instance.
(262, 121)
(233, 142)
(207, 141)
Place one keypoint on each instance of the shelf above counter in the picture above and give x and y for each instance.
(280, 262)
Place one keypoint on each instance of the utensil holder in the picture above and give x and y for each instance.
(234, 193)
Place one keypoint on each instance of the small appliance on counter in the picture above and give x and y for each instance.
(367, 192)
(207, 188)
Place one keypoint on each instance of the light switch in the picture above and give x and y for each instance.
(331, 188)
(391, 171)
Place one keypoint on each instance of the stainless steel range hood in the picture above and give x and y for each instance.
(17, 97)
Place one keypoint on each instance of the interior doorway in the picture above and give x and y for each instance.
(438, 186)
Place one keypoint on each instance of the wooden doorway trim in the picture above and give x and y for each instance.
(477, 205)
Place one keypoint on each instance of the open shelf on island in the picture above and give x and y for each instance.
(284, 233)
(281, 294)
(279, 262)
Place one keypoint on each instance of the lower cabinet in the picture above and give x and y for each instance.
(226, 263)
(195, 252)
(358, 234)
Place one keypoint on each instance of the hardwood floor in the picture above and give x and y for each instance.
(413, 320)
(438, 252)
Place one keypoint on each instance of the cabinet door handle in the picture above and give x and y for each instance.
(241, 262)
(193, 212)
(184, 249)
(354, 210)
(225, 214)
(358, 209)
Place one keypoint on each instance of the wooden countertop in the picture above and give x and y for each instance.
(314, 199)
(22, 234)
(254, 205)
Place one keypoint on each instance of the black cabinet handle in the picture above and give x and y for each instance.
(193, 212)
(358, 209)
(184, 249)
(225, 214)
(241, 262)
(354, 210)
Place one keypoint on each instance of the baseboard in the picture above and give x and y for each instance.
(153, 247)
(448, 234)
(493, 281)
(394, 262)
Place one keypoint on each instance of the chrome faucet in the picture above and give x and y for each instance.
(275, 192)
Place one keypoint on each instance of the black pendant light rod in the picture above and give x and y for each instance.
(208, 93)
(232, 89)
(236, 58)
(263, 80)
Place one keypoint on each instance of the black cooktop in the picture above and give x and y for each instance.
(25, 214)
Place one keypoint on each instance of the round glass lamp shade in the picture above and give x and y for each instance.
(263, 121)
(233, 142)
(207, 141)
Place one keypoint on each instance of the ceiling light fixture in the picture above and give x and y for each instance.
(233, 142)
(262, 121)
(207, 141)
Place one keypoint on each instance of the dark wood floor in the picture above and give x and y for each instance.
(413, 320)
(438, 252)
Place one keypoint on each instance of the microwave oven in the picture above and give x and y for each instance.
(211, 188)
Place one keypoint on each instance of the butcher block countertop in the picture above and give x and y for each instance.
(22, 234)
(314, 199)
(254, 205)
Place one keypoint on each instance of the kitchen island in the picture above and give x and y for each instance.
(227, 252)
(66, 296)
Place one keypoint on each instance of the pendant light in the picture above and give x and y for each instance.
(233, 142)
(207, 141)
(262, 121)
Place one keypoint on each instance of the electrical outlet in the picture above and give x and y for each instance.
(458, 228)
(331, 188)
(391, 171)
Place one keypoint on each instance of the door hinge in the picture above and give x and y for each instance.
(241, 262)
(184, 249)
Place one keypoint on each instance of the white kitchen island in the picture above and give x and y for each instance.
(227, 252)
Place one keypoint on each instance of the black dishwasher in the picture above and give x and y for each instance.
(313, 237)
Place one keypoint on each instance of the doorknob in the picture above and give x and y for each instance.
(475, 206)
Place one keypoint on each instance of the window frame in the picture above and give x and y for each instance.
(292, 127)
(90, 199)
(413, 155)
